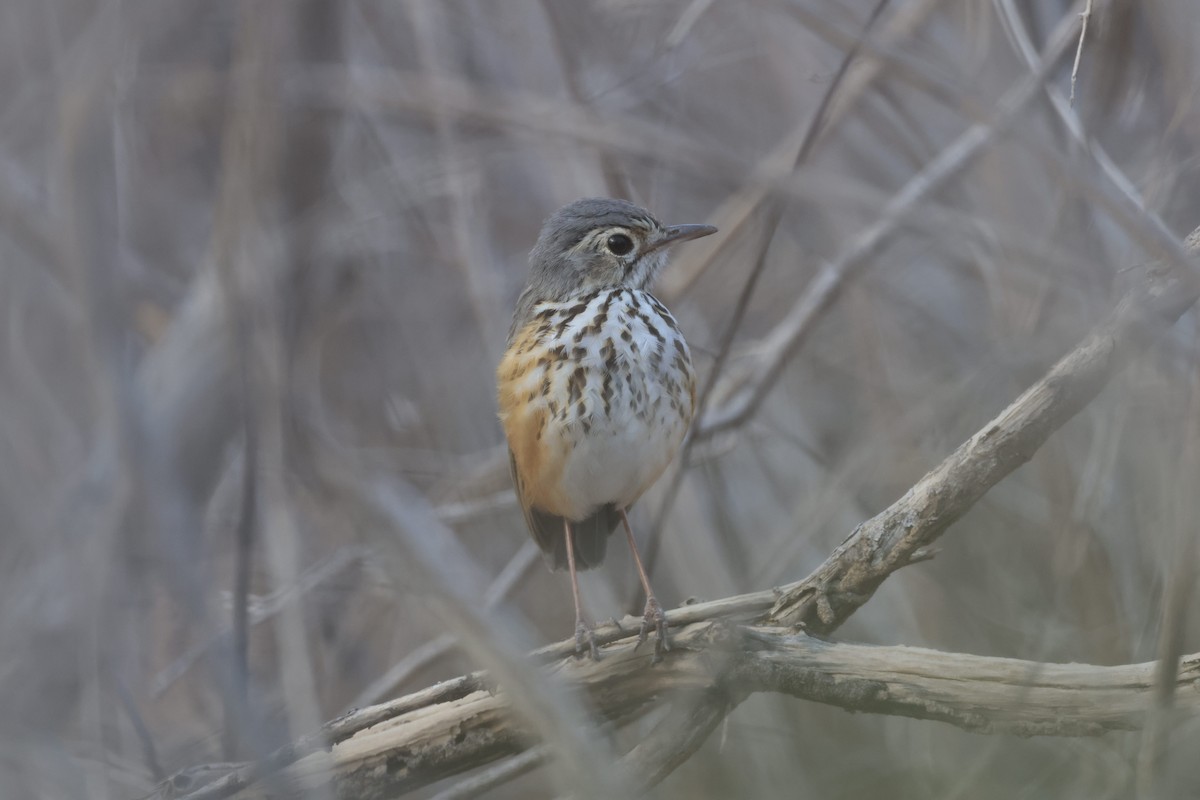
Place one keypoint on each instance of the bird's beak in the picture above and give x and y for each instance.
(680, 233)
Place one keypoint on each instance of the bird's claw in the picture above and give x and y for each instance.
(585, 634)
(654, 618)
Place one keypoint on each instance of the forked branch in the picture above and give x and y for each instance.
(455, 726)
(413, 741)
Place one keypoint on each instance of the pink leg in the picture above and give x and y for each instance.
(583, 630)
(654, 616)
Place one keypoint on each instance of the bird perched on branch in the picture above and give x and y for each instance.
(596, 387)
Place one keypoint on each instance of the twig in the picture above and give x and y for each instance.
(774, 215)
(1084, 17)
(1148, 228)
(262, 609)
(140, 728)
(431, 48)
(688, 724)
(525, 557)
(265, 607)
(781, 344)
(244, 554)
(615, 183)
(248, 196)
(382, 92)
(426, 557)
(1180, 586)
(683, 25)
(495, 776)
(736, 212)
(694, 712)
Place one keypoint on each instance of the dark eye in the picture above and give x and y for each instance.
(619, 244)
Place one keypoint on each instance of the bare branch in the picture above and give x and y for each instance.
(1085, 16)
(1148, 227)
(890, 540)
(1177, 601)
(477, 731)
(424, 737)
(734, 214)
(774, 214)
(678, 735)
(525, 557)
(742, 401)
(495, 776)
(425, 557)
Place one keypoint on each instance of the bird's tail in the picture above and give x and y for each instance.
(589, 536)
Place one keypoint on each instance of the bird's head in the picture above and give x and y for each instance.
(598, 243)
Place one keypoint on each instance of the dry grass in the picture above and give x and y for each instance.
(290, 234)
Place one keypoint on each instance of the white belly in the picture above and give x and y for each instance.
(621, 455)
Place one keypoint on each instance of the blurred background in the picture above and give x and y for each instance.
(251, 253)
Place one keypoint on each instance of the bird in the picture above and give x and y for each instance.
(596, 388)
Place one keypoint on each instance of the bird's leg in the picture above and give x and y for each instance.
(583, 628)
(654, 616)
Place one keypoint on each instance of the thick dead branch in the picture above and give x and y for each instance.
(411, 742)
(894, 538)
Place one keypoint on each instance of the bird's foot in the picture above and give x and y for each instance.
(585, 634)
(655, 619)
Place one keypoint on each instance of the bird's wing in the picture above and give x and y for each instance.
(590, 535)
(545, 528)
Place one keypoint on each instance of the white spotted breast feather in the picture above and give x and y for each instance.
(609, 380)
